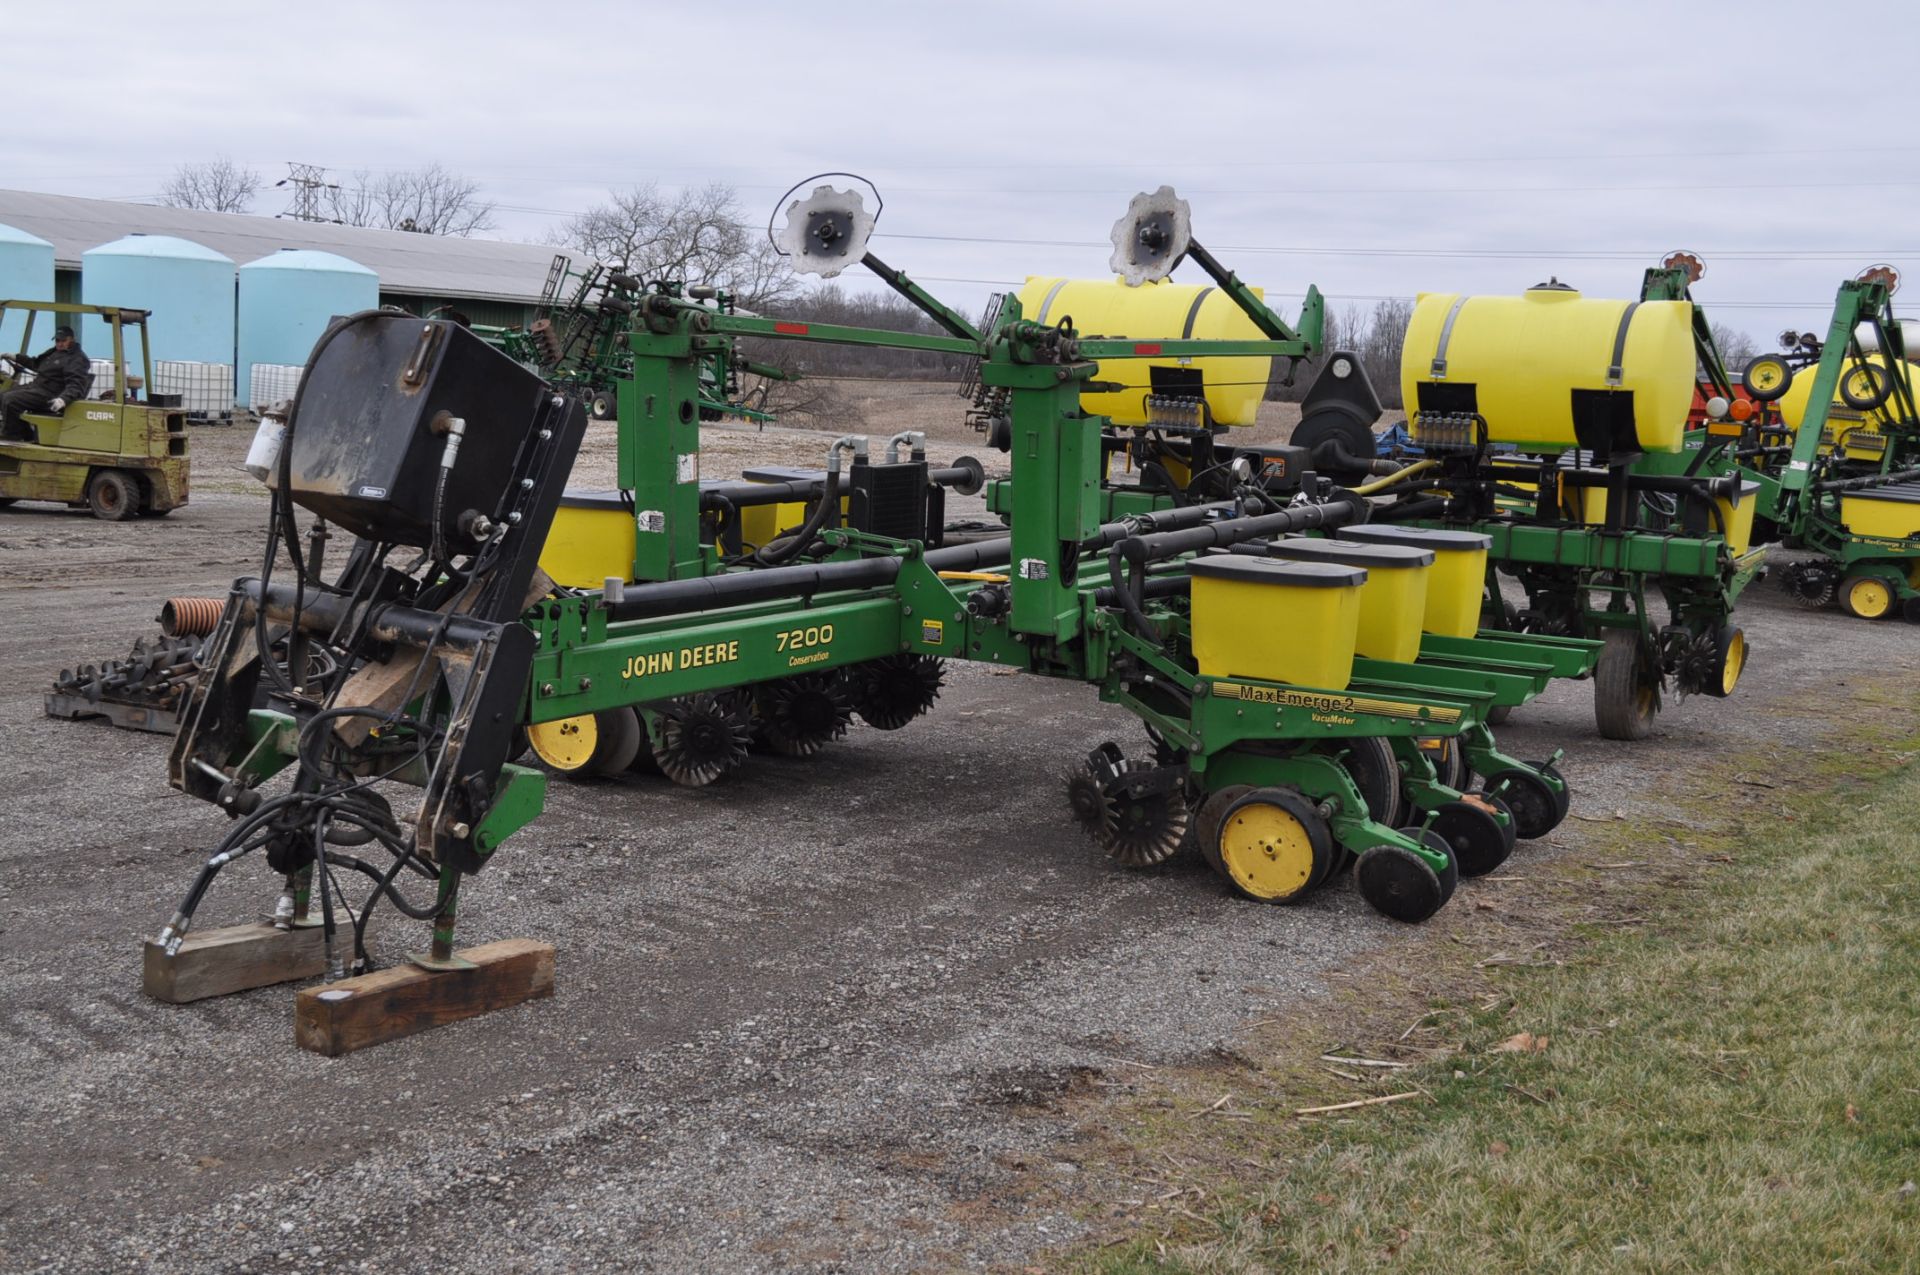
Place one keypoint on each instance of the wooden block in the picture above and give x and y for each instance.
(357, 1012)
(217, 962)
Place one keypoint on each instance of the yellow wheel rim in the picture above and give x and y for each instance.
(1869, 598)
(1266, 851)
(566, 744)
(1736, 662)
(1767, 376)
(1860, 383)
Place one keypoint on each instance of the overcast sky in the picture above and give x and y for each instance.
(1372, 149)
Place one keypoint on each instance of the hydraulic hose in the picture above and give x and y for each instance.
(1396, 477)
(1345, 509)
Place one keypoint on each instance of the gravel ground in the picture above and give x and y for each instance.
(816, 1017)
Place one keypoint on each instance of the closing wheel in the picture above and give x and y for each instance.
(1398, 883)
(1273, 845)
(1868, 597)
(1449, 875)
(1729, 661)
(113, 496)
(1473, 835)
(1536, 808)
(1767, 377)
(591, 744)
(1626, 689)
(1865, 386)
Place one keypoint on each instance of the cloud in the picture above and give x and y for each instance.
(1414, 143)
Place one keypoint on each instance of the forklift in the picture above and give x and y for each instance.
(108, 453)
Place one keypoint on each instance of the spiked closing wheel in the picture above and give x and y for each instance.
(798, 716)
(699, 738)
(1135, 811)
(1810, 584)
(892, 691)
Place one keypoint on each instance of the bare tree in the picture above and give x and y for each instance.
(1379, 347)
(215, 185)
(695, 236)
(429, 201)
(1737, 349)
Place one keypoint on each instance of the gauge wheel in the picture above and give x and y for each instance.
(1868, 597)
(1865, 386)
(1767, 377)
(1626, 689)
(1729, 661)
(589, 745)
(1207, 820)
(1273, 845)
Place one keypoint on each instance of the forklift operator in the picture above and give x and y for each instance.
(61, 373)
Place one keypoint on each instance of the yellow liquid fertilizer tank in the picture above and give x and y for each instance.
(1164, 311)
(1550, 369)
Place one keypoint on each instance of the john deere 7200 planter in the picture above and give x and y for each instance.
(1284, 754)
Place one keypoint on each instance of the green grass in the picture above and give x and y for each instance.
(1732, 1084)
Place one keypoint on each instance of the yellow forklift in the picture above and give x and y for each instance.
(107, 452)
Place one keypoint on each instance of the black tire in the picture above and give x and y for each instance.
(1375, 772)
(1397, 883)
(1473, 836)
(113, 496)
(620, 740)
(1626, 693)
(1865, 386)
(1536, 808)
(1766, 377)
(1207, 819)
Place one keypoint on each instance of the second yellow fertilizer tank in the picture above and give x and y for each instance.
(1535, 364)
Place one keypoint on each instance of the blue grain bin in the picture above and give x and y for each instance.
(26, 274)
(286, 299)
(188, 287)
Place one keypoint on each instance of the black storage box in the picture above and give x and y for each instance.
(375, 399)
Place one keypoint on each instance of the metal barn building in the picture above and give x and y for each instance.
(487, 280)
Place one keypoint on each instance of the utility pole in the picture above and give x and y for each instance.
(307, 180)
